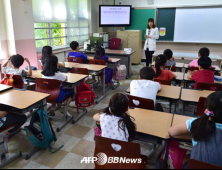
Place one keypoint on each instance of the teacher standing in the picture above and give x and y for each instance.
(152, 34)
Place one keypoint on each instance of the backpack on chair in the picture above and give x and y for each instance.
(8, 80)
(120, 72)
(84, 96)
(41, 137)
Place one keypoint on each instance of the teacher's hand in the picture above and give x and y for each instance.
(146, 36)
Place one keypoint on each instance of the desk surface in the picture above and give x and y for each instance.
(171, 92)
(108, 51)
(152, 122)
(5, 87)
(180, 119)
(216, 82)
(217, 68)
(178, 65)
(71, 78)
(194, 56)
(21, 99)
(114, 60)
(180, 76)
(189, 95)
(90, 67)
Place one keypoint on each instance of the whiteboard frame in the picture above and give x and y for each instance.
(187, 6)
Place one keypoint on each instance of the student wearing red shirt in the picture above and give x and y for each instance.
(203, 75)
(161, 73)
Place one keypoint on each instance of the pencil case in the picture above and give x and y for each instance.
(217, 78)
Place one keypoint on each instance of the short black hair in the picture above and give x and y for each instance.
(168, 53)
(147, 73)
(74, 45)
(204, 52)
(205, 62)
(17, 60)
(50, 66)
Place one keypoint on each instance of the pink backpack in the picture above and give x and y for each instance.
(175, 156)
(120, 72)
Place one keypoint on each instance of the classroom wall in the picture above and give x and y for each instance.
(161, 46)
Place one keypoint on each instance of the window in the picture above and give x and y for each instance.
(58, 23)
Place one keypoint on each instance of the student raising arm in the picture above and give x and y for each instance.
(206, 132)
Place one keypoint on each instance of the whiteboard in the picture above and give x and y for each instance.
(200, 25)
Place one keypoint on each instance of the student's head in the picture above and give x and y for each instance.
(17, 60)
(118, 106)
(46, 51)
(147, 73)
(204, 52)
(151, 23)
(161, 61)
(50, 66)
(204, 63)
(168, 53)
(100, 52)
(74, 46)
(203, 128)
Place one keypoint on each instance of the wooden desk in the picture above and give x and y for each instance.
(71, 78)
(114, 60)
(118, 54)
(180, 76)
(178, 65)
(5, 87)
(187, 80)
(217, 68)
(180, 119)
(90, 67)
(152, 122)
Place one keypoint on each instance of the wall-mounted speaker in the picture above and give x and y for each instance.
(151, 2)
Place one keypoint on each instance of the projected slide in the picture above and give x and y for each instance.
(115, 15)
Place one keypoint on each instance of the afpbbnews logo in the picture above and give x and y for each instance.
(102, 159)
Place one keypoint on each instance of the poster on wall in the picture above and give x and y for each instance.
(162, 32)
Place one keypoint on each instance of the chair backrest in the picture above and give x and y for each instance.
(163, 82)
(208, 86)
(83, 71)
(48, 86)
(197, 68)
(194, 164)
(18, 81)
(105, 147)
(97, 62)
(75, 60)
(201, 107)
(141, 103)
(171, 68)
(115, 44)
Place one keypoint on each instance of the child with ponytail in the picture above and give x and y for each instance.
(206, 132)
(161, 73)
(115, 121)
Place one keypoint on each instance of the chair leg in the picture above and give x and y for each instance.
(80, 116)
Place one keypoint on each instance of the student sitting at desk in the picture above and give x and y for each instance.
(115, 121)
(204, 52)
(51, 72)
(75, 47)
(145, 87)
(12, 66)
(101, 55)
(170, 60)
(203, 75)
(206, 132)
(161, 73)
(46, 52)
(9, 119)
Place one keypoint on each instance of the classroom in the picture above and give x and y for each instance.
(110, 84)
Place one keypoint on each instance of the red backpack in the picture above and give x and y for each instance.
(8, 80)
(85, 96)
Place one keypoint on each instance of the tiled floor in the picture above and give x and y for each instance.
(78, 140)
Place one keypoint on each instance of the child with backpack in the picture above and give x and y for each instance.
(115, 121)
(50, 71)
(161, 73)
(206, 132)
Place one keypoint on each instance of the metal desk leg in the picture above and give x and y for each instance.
(175, 109)
(184, 104)
(129, 73)
(80, 116)
(170, 106)
(104, 88)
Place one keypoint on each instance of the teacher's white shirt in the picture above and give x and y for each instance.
(151, 42)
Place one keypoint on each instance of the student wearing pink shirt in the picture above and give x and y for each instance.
(204, 52)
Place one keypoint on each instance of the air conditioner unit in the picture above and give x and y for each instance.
(150, 2)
